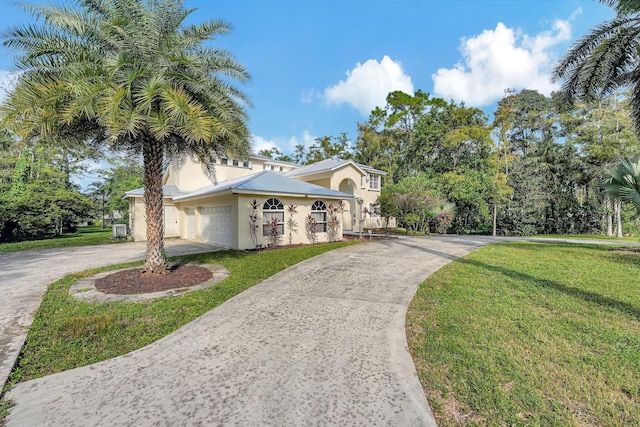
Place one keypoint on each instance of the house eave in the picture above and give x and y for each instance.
(188, 198)
(285, 194)
(238, 191)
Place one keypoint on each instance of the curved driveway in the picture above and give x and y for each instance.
(321, 343)
(25, 275)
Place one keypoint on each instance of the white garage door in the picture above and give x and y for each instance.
(216, 225)
(191, 224)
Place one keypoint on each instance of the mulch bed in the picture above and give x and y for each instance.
(132, 281)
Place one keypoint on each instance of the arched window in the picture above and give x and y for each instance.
(272, 211)
(319, 213)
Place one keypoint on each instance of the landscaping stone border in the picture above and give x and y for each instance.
(85, 289)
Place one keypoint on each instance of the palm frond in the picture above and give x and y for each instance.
(623, 6)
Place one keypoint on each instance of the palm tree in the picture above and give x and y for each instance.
(606, 59)
(623, 182)
(131, 74)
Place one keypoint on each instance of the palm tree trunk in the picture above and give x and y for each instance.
(618, 209)
(153, 154)
(609, 217)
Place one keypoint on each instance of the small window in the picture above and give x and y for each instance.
(235, 162)
(363, 181)
(319, 213)
(224, 161)
(272, 208)
(245, 163)
(212, 159)
(374, 182)
(280, 168)
(273, 167)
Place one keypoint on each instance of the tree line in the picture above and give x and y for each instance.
(538, 167)
(38, 195)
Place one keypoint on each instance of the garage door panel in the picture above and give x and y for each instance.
(216, 225)
(191, 224)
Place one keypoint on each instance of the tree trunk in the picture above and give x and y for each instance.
(609, 217)
(495, 216)
(153, 154)
(617, 205)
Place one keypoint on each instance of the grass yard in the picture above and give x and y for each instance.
(536, 334)
(68, 333)
(623, 239)
(85, 236)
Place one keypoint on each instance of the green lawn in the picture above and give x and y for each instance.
(68, 333)
(589, 237)
(85, 236)
(537, 334)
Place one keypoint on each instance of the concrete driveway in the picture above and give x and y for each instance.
(24, 276)
(321, 343)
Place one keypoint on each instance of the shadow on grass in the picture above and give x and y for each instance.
(445, 255)
(586, 296)
(208, 257)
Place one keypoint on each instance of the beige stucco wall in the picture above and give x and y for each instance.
(191, 176)
(225, 172)
(138, 219)
(298, 233)
(188, 177)
(322, 182)
(354, 218)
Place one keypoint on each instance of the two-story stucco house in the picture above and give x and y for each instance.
(217, 211)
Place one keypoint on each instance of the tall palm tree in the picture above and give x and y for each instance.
(623, 182)
(130, 73)
(606, 59)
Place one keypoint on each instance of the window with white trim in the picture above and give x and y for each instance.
(363, 181)
(374, 182)
(224, 161)
(272, 208)
(245, 163)
(319, 213)
(235, 162)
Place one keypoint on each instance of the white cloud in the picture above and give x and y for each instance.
(259, 143)
(499, 59)
(307, 140)
(368, 85)
(8, 80)
(285, 145)
(307, 96)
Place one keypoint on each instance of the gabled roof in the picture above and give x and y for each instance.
(371, 170)
(265, 182)
(167, 191)
(329, 165)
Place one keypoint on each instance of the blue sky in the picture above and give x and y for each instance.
(319, 67)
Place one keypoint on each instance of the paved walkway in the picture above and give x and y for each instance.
(24, 276)
(321, 343)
